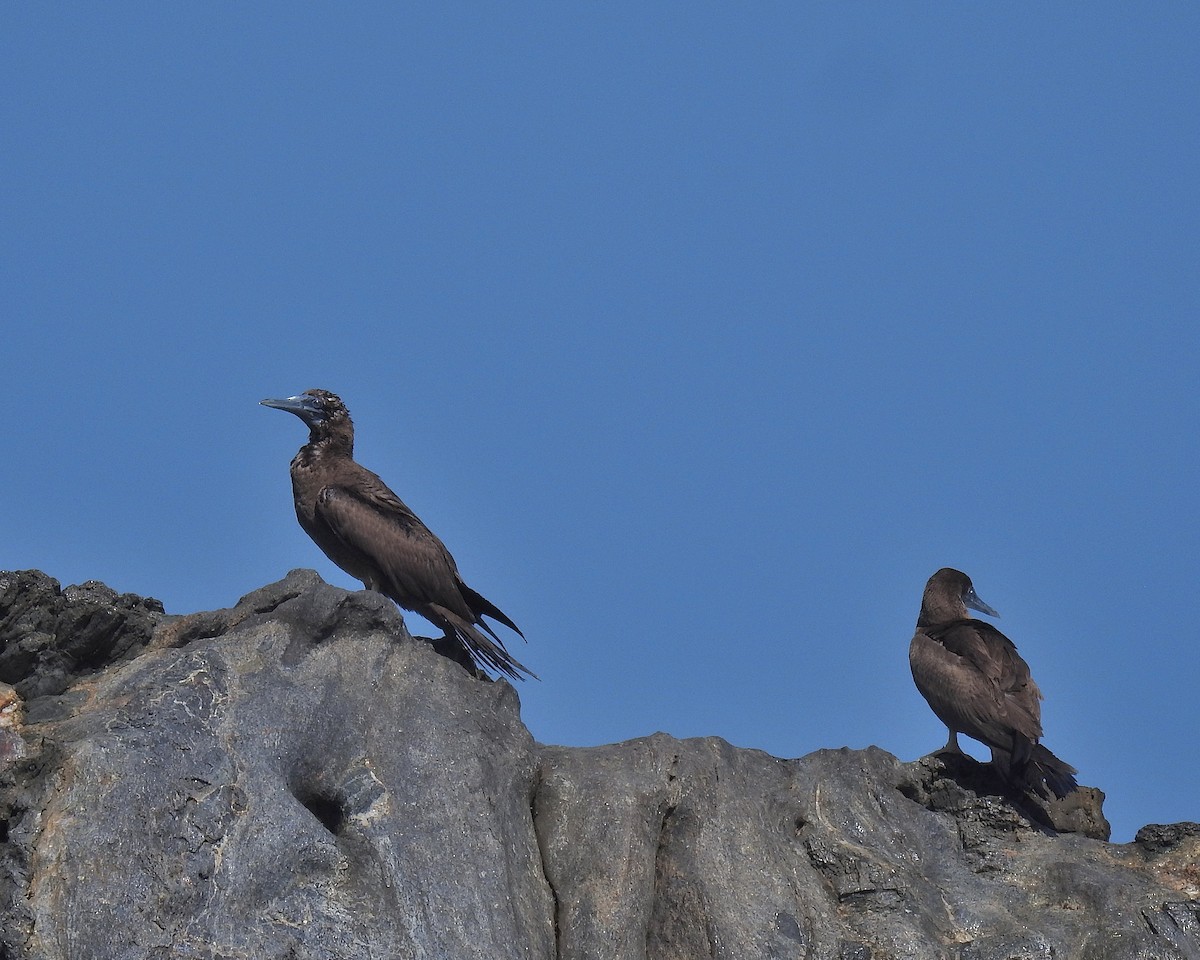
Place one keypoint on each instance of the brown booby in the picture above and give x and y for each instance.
(369, 532)
(977, 684)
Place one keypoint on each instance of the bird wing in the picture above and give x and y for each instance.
(1022, 695)
(964, 639)
(1002, 690)
(381, 497)
(481, 606)
(416, 567)
(957, 691)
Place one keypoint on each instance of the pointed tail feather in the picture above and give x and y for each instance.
(483, 650)
(1031, 766)
(481, 606)
(1056, 774)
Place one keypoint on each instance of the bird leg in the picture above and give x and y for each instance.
(952, 744)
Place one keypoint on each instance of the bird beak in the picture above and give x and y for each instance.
(305, 407)
(971, 599)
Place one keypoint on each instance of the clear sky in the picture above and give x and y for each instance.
(701, 333)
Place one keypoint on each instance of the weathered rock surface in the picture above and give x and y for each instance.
(296, 777)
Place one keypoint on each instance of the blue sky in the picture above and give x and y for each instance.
(702, 335)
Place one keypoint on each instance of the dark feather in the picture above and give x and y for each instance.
(484, 607)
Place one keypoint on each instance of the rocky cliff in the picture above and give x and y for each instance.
(296, 777)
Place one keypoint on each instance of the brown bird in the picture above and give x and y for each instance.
(977, 684)
(367, 530)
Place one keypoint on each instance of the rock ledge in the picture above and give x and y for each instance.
(297, 777)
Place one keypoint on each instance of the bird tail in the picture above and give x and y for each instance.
(483, 650)
(481, 606)
(1032, 766)
(1056, 774)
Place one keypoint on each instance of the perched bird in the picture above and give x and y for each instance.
(367, 530)
(977, 684)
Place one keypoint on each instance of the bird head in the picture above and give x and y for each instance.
(948, 595)
(971, 599)
(323, 412)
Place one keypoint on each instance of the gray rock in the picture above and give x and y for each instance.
(297, 777)
(49, 637)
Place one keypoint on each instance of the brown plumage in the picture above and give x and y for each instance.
(369, 532)
(977, 684)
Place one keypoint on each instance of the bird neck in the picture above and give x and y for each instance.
(940, 609)
(326, 443)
